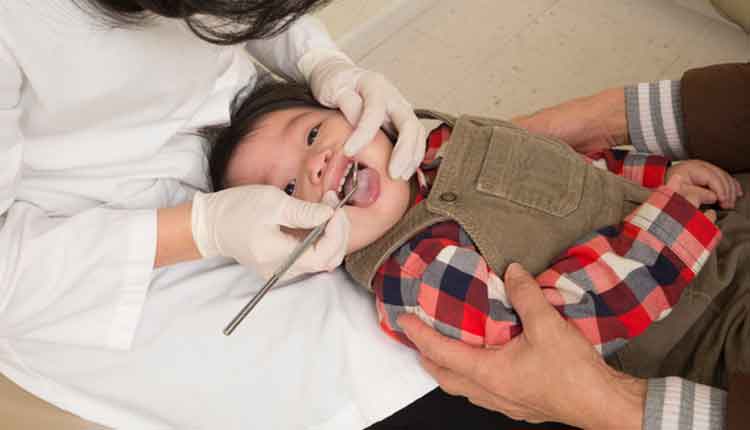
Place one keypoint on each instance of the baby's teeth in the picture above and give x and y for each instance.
(343, 178)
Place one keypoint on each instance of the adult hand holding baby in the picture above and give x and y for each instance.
(245, 222)
(533, 377)
(368, 101)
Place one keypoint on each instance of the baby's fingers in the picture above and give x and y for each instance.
(711, 215)
(716, 181)
(698, 195)
(731, 196)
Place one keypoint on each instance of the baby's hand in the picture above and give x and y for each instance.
(697, 196)
(704, 175)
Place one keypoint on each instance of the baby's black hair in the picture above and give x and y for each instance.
(248, 109)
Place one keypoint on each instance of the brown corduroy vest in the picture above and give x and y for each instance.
(520, 197)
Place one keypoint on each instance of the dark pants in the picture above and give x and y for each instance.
(440, 411)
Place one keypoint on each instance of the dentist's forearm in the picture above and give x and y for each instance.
(174, 243)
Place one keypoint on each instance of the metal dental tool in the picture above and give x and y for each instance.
(293, 257)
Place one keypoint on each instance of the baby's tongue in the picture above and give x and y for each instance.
(368, 188)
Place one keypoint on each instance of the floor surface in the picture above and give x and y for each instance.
(507, 57)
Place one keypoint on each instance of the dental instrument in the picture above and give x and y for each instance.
(301, 248)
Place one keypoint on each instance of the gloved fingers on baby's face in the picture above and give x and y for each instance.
(410, 146)
(419, 151)
(402, 157)
(350, 104)
(331, 247)
(301, 214)
(372, 117)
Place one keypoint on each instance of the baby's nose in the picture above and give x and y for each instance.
(317, 165)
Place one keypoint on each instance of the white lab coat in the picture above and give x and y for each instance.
(94, 135)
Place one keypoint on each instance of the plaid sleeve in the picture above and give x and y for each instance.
(612, 284)
(674, 403)
(647, 170)
(655, 121)
(440, 276)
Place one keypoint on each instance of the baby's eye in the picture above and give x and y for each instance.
(289, 189)
(313, 135)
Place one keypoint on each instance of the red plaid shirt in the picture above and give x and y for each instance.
(612, 284)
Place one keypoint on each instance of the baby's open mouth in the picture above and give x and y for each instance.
(368, 185)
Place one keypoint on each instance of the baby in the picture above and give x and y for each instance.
(611, 255)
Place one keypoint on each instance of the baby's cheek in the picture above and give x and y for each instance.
(362, 231)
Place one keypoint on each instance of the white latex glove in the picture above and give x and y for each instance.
(244, 223)
(368, 100)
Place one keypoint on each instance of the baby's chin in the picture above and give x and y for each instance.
(370, 223)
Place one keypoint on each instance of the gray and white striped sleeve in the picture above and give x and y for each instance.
(655, 118)
(675, 403)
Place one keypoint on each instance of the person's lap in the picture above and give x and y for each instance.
(438, 410)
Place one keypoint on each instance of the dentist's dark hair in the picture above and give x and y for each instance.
(248, 109)
(222, 22)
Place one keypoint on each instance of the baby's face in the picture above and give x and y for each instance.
(301, 151)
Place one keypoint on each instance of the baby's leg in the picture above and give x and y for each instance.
(718, 345)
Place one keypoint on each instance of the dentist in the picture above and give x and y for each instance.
(103, 191)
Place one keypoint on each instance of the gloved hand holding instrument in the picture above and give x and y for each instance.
(284, 268)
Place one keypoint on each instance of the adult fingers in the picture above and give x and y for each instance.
(488, 398)
(329, 251)
(409, 150)
(372, 117)
(454, 383)
(350, 104)
(298, 213)
(330, 199)
(445, 352)
(526, 296)
(711, 215)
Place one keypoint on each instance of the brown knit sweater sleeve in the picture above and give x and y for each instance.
(716, 110)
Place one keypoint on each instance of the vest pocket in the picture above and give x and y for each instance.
(532, 171)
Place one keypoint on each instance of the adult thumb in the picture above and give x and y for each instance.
(301, 214)
(525, 294)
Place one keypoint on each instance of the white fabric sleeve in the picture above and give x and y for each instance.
(655, 119)
(79, 280)
(675, 403)
(281, 53)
